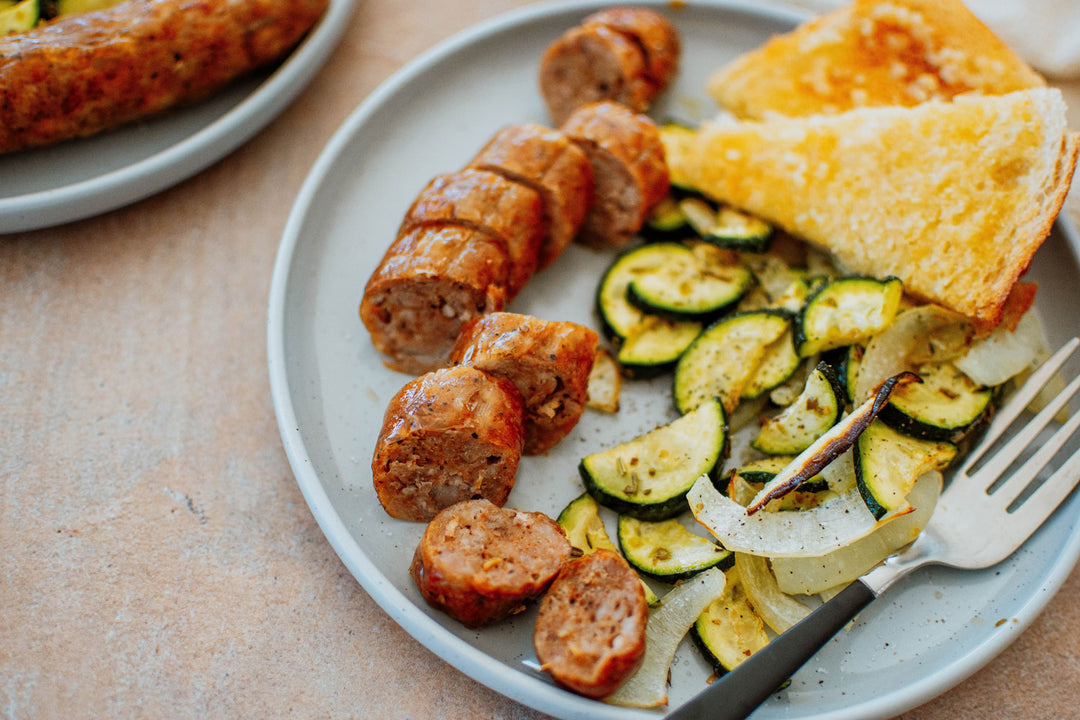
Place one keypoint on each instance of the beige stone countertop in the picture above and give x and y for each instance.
(157, 559)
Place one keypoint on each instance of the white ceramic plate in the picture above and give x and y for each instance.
(330, 389)
(79, 179)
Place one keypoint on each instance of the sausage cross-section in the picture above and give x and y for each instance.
(450, 435)
(548, 361)
(624, 54)
(489, 203)
(545, 160)
(431, 281)
(480, 563)
(85, 73)
(629, 169)
(590, 630)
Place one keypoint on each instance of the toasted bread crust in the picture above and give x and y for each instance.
(872, 53)
(953, 198)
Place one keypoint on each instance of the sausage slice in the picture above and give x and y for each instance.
(431, 281)
(450, 435)
(480, 563)
(629, 169)
(590, 63)
(545, 160)
(590, 631)
(491, 204)
(548, 361)
(653, 32)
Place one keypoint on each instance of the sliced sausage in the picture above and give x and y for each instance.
(590, 631)
(629, 169)
(450, 435)
(431, 281)
(490, 203)
(548, 361)
(81, 74)
(545, 160)
(480, 563)
(654, 34)
(590, 63)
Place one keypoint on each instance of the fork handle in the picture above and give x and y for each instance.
(739, 692)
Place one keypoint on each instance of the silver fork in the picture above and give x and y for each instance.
(982, 517)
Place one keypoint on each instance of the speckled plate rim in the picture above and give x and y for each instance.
(206, 144)
(430, 633)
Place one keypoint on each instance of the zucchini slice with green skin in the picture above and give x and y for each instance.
(586, 532)
(759, 472)
(834, 443)
(618, 318)
(665, 222)
(655, 346)
(846, 311)
(944, 406)
(778, 365)
(729, 630)
(696, 284)
(648, 477)
(724, 357)
(726, 227)
(19, 17)
(817, 409)
(888, 462)
(667, 551)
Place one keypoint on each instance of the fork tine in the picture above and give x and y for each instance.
(1016, 404)
(1005, 495)
(1036, 508)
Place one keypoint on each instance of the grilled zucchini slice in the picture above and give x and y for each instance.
(665, 221)
(724, 357)
(618, 318)
(655, 346)
(696, 284)
(759, 472)
(648, 477)
(777, 366)
(667, 551)
(944, 406)
(726, 227)
(887, 464)
(19, 17)
(586, 532)
(846, 311)
(817, 409)
(729, 631)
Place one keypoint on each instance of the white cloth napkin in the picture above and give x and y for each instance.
(1046, 33)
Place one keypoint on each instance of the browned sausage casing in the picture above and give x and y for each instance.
(449, 435)
(431, 281)
(485, 201)
(590, 631)
(549, 362)
(85, 73)
(545, 160)
(653, 33)
(629, 169)
(591, 63)
(480, 563)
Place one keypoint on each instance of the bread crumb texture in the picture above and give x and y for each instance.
(872, 53)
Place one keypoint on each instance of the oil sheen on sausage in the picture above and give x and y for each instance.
(480, 563)
(431, 281)
(450, 435)
(590, 630)
(629, 169)
(490, 203)
(549, 362)
(545, 160)
(82, 74)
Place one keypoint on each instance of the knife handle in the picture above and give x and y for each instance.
(739, 692)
